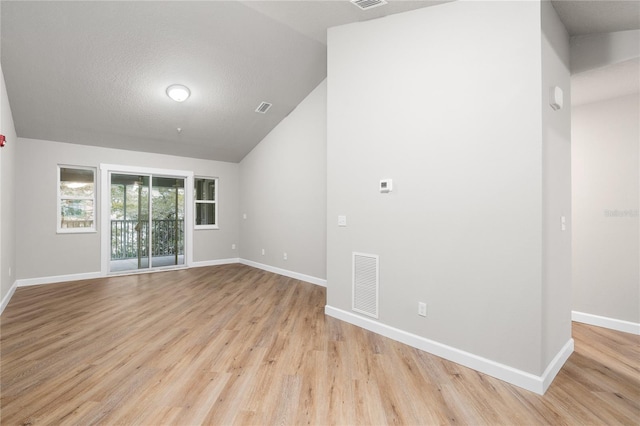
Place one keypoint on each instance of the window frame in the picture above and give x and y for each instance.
(59, 198)
(215, 202)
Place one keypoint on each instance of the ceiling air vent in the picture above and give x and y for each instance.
(263, 107)
(368, 4)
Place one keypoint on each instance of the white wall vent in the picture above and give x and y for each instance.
(263, 107)
(368, 4)
(365, 284)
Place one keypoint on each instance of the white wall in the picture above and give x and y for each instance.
(43, 253)
(606, 183)
(452, 113)
(283, 192)
(7, 191)
(556, 151)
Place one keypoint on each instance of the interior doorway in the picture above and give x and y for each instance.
(145, 213)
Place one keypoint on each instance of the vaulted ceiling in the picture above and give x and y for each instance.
(95, 73)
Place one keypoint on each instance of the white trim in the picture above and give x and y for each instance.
(216, 225)
(92, 275)
(148, 270)
(58, 279)
(606, 322)
(105, 207)
(7, 297)
(556, 364)
(205, 227)
(286, 273)
(528, 381)
(216, 262)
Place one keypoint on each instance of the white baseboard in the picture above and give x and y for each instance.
(7, 297)
(214, 262)
(286, 273)
(556, 364)
(528, 381)
(612, 323)
(58, 279)
(91, 275)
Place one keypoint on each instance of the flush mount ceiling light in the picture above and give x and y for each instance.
(178, 92)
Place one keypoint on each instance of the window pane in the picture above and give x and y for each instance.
(205, 189)
(76, 182)
(205, 214)
(76, 213)
(167, 205)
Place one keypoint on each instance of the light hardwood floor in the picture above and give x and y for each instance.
(236, 345)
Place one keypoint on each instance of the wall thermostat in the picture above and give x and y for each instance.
(386, 185)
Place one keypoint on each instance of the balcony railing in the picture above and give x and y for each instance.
(166, 233)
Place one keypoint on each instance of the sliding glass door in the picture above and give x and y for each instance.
(167, 202)
(147, 221)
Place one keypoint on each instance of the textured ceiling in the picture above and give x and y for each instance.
(95, 73)
(313, 17)
(598, 16)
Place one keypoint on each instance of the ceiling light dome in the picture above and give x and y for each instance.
(178, 92)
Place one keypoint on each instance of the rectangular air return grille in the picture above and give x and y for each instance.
(368, 4)
(263, 107)
(365, 284)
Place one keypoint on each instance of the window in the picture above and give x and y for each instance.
(76, 199)
(206, 198)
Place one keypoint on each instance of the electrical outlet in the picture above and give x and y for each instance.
(422, 309)
(244, 216)
(263, 252)
(9, 271)
(233, 246)
(284, 256)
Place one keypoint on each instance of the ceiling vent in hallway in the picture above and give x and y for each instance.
(368, 4)
(263, 107)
